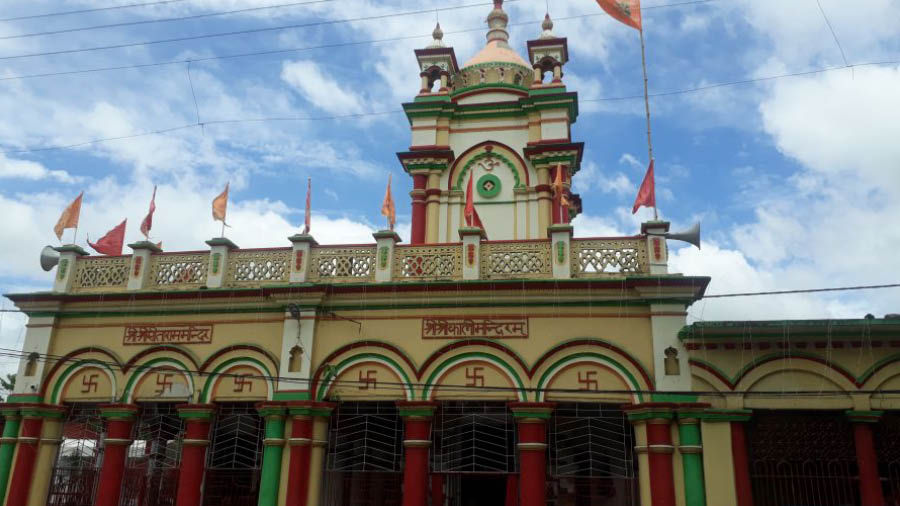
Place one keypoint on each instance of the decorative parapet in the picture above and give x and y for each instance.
(342, 263)
(428, 262)
(612, 256)
(178, 270)
(516, 260)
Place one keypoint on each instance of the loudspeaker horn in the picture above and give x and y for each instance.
(691, 235)
(49, 258)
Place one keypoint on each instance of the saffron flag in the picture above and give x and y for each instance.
(559, 191)
(220, 205)
(69, 217)
(387, 207)
(626, 11)
(470, 213)
(647, 193)
(147, 224)
(308, 194)
(111, 243)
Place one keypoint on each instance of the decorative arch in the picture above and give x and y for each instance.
(156, 364)
(449, 364)
(879, 372)
(509, 157)
(219, 372)
(264, 353)
(329, 374)
(67, 374)
(67, 360)
(752, 370)
(602, 360)
(191, 359)
(592, 342)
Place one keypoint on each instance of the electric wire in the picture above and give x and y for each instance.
(85, 11)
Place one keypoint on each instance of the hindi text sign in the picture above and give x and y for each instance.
(491, 328)
(167, 334)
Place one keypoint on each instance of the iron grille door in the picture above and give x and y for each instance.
(591, 455)
(77, 466)
(474, 437)
(887, 447)
(804, 459)
(365, 455)
(235, 456)
(152, 465)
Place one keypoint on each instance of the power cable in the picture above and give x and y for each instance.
(833, 34)
(85, 11)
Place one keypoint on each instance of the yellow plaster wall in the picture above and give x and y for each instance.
(718, 466)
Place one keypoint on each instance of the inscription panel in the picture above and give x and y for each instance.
(455, 328)
(167, 334)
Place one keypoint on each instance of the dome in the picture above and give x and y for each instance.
(495, 52)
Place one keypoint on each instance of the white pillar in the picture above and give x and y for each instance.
(65, 269)
(471, 256)
(140, 264)
(297, 336)
(301, 248)
(561, 250)
(385, 242)
(37, 341)
(218, 261)
(657, 251)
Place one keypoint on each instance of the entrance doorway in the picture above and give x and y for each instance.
(476, 489)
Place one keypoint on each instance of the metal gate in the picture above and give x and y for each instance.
(74, 480)
(474, 437)
(235, 456)
(591, 453)
(365, 456)
(887, 447)
(152, 464)
(806, 459)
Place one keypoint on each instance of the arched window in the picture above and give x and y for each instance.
(295, 363)
(31, 365)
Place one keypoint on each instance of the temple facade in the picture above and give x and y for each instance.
(504, 364)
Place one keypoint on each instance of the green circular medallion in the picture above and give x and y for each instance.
(488, 186)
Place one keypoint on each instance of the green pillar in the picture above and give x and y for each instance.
(691, 449)
(8, 445)
(273, 446)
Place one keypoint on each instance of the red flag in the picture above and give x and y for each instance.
(471, 214)
(69, 217)
(647, 193)
(147, 224)
(111, 243)
(626, 11)
(308, 193)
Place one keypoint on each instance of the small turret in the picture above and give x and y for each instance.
(548, 53)
(437, 63)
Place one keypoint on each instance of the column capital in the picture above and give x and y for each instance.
(270, 409)
(531, 412)
(10, 411)
(201, 412)
(649, 411)
(727, 415)
(863, 416)
(30, 410)
(416, 409)
(124, 412)
(309, 408)
(690, 413)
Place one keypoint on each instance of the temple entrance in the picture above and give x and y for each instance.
(477, 490)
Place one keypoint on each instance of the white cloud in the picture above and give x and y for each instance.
(318, 87)
(29, 170)
(592, 177)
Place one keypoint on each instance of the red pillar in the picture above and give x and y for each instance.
(119, 421)
(416, 441)
(660, 449)
(198, 418)
(512, 490)
(301, 444)
(741, 464)
(29, 438)
(531, 421)
(418, 209)
(437, 490)
(870, 491)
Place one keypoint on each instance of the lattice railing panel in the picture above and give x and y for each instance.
(258, 267)
(237, 437)
(428, 262)
(474, 437)
(171, 271)
(590, 440)
(352, 263)
(96, 274)
(365, 436)
(516, 260)
(608, 256)
(78, 460)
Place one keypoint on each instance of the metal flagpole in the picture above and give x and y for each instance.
(647, 108)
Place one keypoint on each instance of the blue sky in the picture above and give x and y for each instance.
(796, 180)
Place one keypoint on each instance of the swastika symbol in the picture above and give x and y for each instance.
(89, 383)
(242, 380)
(588, 381)
(164, 382)
(371, 378)
(475, 377)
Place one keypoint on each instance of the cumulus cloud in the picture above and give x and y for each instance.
(320, 88)
(30, 170)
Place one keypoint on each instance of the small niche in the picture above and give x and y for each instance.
(31, 364)
(672, 366)
(295, 362)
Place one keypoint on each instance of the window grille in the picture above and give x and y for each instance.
(887, 448)
(235, 456)
(473, 437)
(74, 480)
(802, 458)
(591, 454)
(152, 464)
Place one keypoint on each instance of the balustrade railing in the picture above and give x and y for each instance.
(536, 259)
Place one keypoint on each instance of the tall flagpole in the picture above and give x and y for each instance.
(647, 107)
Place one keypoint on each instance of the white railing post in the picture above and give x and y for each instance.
(140, 264)
(65, 269)
(218, 261)
(561, 250)
(385, 244)
(301, 248)
(657, 250)
(471, 255)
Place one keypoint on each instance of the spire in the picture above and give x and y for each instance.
(497, 21)
(438, 35)
(547, 26)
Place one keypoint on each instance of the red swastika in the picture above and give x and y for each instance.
(588, 381)
(476, 379)
(164, 382)
(371, 378)
(242, 380)
(89, 382)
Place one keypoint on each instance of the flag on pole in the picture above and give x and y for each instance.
(559, 191)
(470, 213)
(387, 207)
(69, 217)
(111, 243)
(625, 11)
(147, 224)
(647, 193)
(308, 194)
(220, 205)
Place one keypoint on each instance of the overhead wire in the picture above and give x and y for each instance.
(86, 11)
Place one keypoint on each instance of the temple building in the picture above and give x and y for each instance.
(504, 364)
